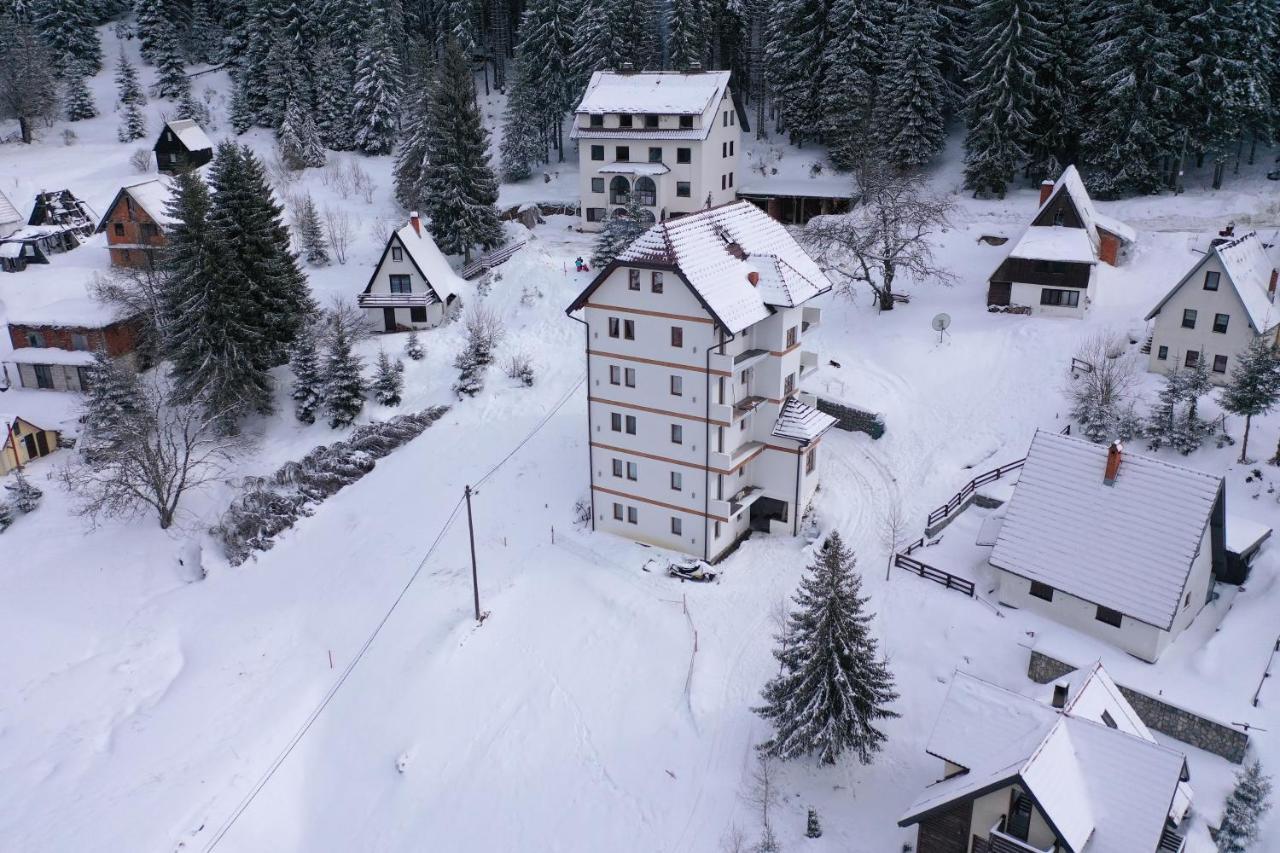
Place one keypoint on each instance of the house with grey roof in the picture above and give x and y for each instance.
(1118, 545)
(1224, 302)
(1078, 773)
(413, 286)
(699, 429)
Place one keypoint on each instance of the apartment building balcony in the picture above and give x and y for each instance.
(395, 300)
(727, 460)
(811, 317)
(1000, 842)
(733, 363)
(808, 364)
(731, 413)
(736, 504)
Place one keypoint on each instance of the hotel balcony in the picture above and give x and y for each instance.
(731, 364)
(730, 459)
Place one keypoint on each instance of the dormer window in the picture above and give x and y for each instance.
(624, 121)
(686, 122)
(597, 119)
(650, 121)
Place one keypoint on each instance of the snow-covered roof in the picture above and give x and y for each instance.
(80, 312)
(10, 250)
(820, 186)
(634, 169)
(1104, 790)
(1248, 266)
(7, 422)
(35, 232)
(1128, 546)
(576, 132)
(190, 134)
(8, 213)
(661, 92)
(153, 197)
(1054, 243)
(1243, 534)
(715, 250)
(430, 261)
(800, 422)
(1071, 183)
(49, 355)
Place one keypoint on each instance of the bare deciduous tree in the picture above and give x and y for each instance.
(734, 840)
(341, 313)
(136, 292)
(893, 530)
(762, 795)
(169, 450)
(140, 160)
(1103, 388)
(337, 227)
(885, 236)
(28, 91)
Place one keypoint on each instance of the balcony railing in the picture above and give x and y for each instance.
(1171, 842)
(811, 317)
(729, 459)
(808, 363)
(394, 300)
(999, 842)
(740, 361)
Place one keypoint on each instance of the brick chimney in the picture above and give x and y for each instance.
(1229, 231)
(1271, 288)
(1046, 190)
(1060, 695)
(1114, 454)
(754, 278)
(416, 223)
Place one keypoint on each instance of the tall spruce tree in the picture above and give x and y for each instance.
(853, 76)
(311, 234)
(68, 29)
(375, 112)
(112, 403)
(1254, 388)
(149, 19)
(171, 72)
(1132, 95)
(608, 34)
(461, 189)
(388, 381)
(1218, 85)
(77, 100)
(546, 44)
(298, 139)
(523, 144)
(308, 382)
(333, 98)
(1056, 109)
(344, 385)
(1247, 804)
(412, 160)
(912, 95)
(688, 33)
(1009, 45)
(797, 34)
(133, 123)
(834, 688)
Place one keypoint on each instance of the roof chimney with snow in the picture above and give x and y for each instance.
(1060, 695)
(1114, 454)
(754, 278)
(1046, 190)
(627, 68)
(1271, 288)
(416, 223)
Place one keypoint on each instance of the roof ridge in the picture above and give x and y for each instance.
(1142, 457)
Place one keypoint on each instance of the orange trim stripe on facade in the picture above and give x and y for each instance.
(644, 313)
(692, 367)
(658, 503)
(692, 465)
(652, 411)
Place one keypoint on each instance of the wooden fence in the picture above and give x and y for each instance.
(924, 570)
(488, 261)
(961, 499)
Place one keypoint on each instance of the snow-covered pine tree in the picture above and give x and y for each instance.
(111, 404)
(128, 89)
(1009, 46)
(470, 373)
(1254, 388)
(308, 383)
(77, 100)
(375, 113)
(797, 35)
(1057, 105)
(619, 232)
(546, 45)
(333, 98)
(240, 114)
(461, 189)
(71, 34)
(6, 516)
(912, 94)
(835, 687)
(190, 106)
(133, 123)
(413, 347)
(388, 382)
(311, 234)
(1131, 93)
(688, 39)
(853, 62)
(1160, 427)
(149, 19)
(204, 34)
(523, 143)
(1247, 804)
(247, 219)
(409, 172)
(1262, 104)
(298, 139)
(171, 72)
(344, 385)
(1217, 79)
(609, 33)
(24, 495)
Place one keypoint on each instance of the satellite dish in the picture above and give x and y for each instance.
(940, 324)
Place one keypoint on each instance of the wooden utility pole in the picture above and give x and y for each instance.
(471, 533)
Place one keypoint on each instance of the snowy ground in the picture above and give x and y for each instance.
(138, 711)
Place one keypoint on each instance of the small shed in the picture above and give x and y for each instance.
(23, 442)
(60, 209)
(10, 219)
(182, 146)
(1244, 539)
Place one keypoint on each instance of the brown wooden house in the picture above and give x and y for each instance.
(135, 223)
(54, 346)
(182, 146)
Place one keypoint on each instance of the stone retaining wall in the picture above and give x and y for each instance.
(852, 419)
(1157, 714)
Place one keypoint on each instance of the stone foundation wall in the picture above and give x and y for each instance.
(1157, 714)
(852, 419)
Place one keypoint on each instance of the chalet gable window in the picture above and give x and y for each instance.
(397, 253)
(119, 229)
(1220, 322)
(655, 281)
(400, 284)
(1108, 720)
(1042, 590)
(1211, 279)
(1188, 318)
(686, 122)
(1109, 616)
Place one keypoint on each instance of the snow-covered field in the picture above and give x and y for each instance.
(140, 712)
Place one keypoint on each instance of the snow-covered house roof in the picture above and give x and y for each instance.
(62, 210)
(1249, 267)
(50, 355)
(80, 312)
(190, 134)
(1127, 546)
(1071, 183)
(736, 259)
(1102, 789)
(152, 196)
(661, 92)
(1054, 243)
(427, 258)
(801, 423)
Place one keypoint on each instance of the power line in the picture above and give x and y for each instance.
(545, 420)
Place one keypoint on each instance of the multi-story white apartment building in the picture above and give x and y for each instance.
(670, 137)
(699, 432)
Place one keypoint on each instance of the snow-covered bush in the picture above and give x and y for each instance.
(1245, 808)
(520, 368)
(23, 494)
(270, 505)
(1103, 398)
(484, 331)
(140, 160)
(6, 516)
(413, 347)
(388, 380)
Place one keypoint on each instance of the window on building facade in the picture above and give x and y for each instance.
(617, 512)
(677, 386)
(731, 179)
(1109, 616)
(595, 214)
(614, 324)
(35, 339)
(617, 467)
(655, 154)
(683, 189)
(1211, 280)
(789, 384)
(597, 152)
(400, 284)
(684, 155)
(655, 282)
(625, 120)
(615, 375)
(723, 181)
(622, 153)
(631, 424)
(615, 421)
(397, 253)
(676, 527)
(731, 152)
(811, 461)
(633, 515)
(1162, 353)
(79, 342)
(633, 471)
(119, 229)
(597, 119)
(1108, 720)
(677, 481)
(1220, 322)
(1041, 590)
(1191, 359)
(629, 329)
(630, 375)
(1219, 364)
(677, 336)
(792, 336)
(1189, 318)
(686, 122)
(1062, 298)
(650, 120)
(724, 149)
(597, 185)
(417, 314)
(633, 279)
(677, 434)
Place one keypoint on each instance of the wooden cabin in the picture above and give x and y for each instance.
(23, 442)
(136, 222)
(54, 346)
(182, 146)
